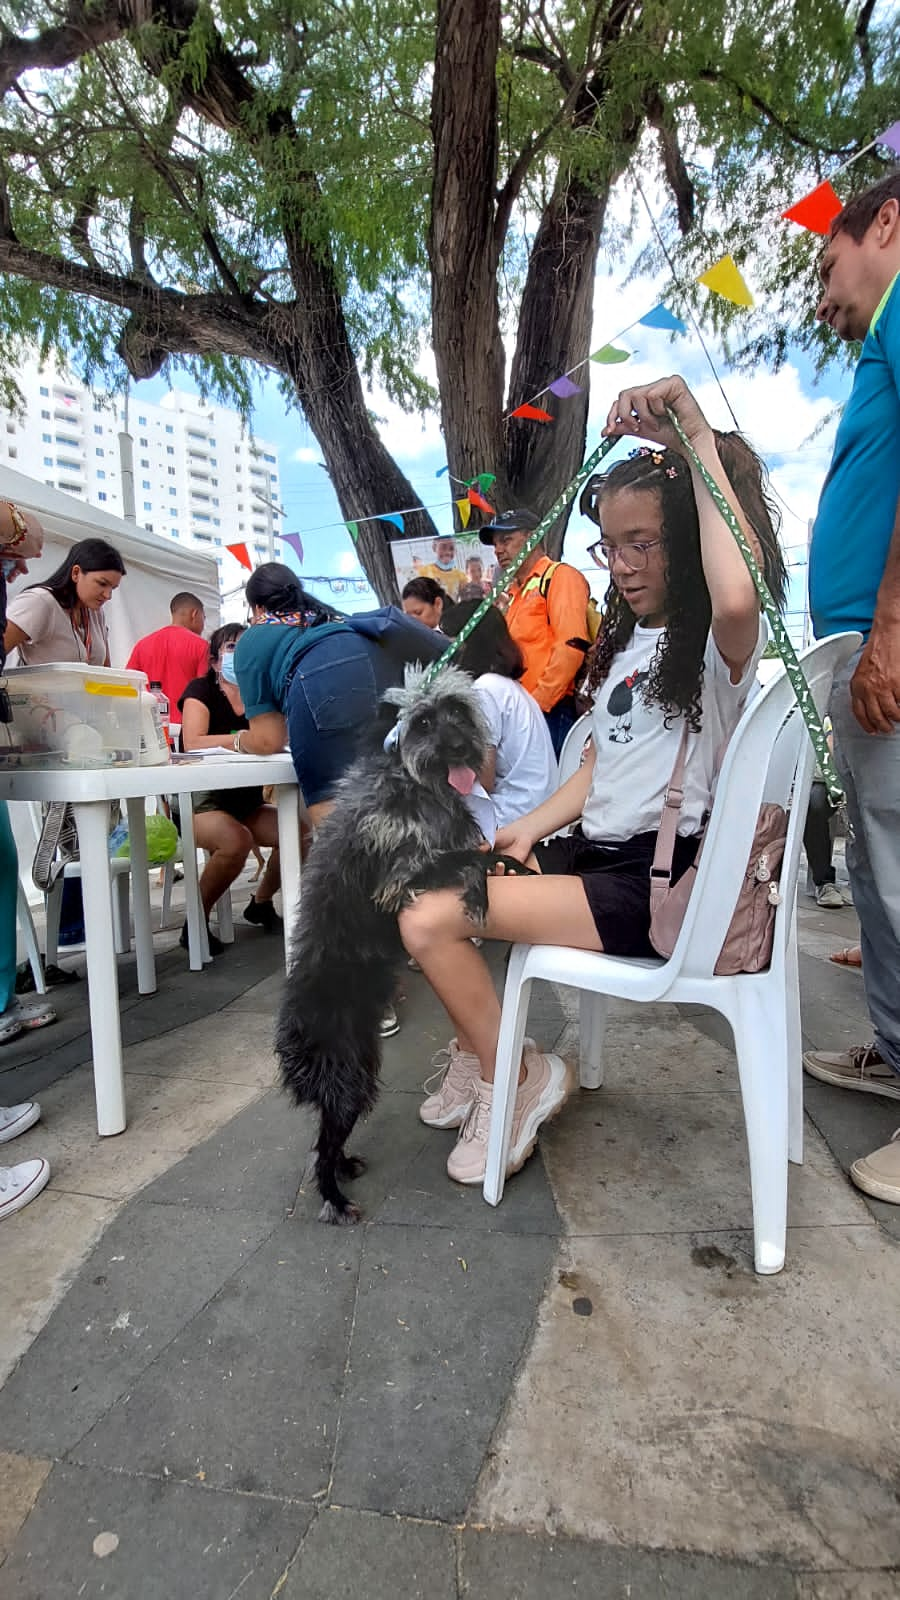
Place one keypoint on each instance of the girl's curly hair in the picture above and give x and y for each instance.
(675, 679)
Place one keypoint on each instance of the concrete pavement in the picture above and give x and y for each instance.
(584, 1391)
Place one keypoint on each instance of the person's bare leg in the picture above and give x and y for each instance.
(436, 930)
(229, 843)
(263, 825)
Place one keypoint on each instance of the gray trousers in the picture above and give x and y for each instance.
(869, 769)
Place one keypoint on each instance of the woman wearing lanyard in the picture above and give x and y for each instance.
(61, 618)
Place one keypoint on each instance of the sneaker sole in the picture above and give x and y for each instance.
(21, 1125)
(453, 1119)
(842, 1081)
(873, 1186)
(519, 1155)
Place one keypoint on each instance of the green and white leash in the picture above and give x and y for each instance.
(780, 635)
(505, 579)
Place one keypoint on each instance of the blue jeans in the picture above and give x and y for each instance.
(559, 719)
(332, 700)
(869, 769)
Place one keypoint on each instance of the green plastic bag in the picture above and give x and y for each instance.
(162, 841)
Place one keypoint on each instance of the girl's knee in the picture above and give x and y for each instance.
(428, 921)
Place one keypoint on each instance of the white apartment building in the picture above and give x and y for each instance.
(198, 476)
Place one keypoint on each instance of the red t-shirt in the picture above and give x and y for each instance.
(172, 657)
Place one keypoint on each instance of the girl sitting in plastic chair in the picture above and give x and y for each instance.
(681, 640)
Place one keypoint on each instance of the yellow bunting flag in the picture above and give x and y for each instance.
(609, 355)
(464, 508)
(725, 279)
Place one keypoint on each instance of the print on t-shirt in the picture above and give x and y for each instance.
(620, 706)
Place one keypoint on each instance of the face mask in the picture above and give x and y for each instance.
(9, 567)
(226, 667)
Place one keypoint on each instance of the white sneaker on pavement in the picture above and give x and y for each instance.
(456, 1075)
(19, 1185)
(829, 897)
(879, 1173)
(539, 1097)
(18, 1119)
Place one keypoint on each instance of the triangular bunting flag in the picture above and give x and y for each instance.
(295, 542)
(440, 471)
(478, 500)
(393, 517)
(661, 317)
(353, 530)
(609, 356)
(725, 279)
(563, 387)
(484, 480)
(464, 507)
(891, 137)
(241, 554)
(532, 414)
(816, 211)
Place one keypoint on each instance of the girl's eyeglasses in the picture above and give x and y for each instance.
(633, 556)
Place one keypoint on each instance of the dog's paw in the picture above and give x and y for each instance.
(352, 1166)
(340, 1216)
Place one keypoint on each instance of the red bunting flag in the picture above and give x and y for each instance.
(817, 210)
(240, 553)
(532, 414)
(478, 500)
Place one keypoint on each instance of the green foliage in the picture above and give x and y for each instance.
(203, 160)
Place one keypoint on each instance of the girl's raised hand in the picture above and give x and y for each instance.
(642, 412)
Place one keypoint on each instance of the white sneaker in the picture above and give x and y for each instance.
(829, 897)
(20, 1184)
(389, 1024)
(17, 1119)
(539, 1097)
(456, 1077)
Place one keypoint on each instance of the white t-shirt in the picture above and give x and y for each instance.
(527, 773)
(635, 751)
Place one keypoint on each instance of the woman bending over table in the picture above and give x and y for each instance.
(228, 822)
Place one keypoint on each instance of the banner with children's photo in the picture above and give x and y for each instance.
(460, 563)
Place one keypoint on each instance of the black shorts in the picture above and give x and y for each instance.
(616, 880)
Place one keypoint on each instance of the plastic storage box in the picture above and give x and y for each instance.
(72, 716)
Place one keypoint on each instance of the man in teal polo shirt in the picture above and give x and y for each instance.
(854, 582)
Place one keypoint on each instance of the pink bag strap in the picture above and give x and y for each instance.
(661, 869)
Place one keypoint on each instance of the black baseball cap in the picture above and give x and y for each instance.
(509, 522)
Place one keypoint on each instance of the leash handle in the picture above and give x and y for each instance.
(506, 578)
(780, 636)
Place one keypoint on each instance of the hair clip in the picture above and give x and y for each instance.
(671, 472)
(656, 456)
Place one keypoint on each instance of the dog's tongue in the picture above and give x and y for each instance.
(461, 779)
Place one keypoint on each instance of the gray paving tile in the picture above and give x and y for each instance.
(379, 1558)
(520, 1566)
(423, 1195)
(442, 1319)
(249, 1392)
(150, 1274)
(254, 1163)
(174, 1540)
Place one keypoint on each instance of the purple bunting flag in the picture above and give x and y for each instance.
(564, 388)
(295, 542)
(891, 137)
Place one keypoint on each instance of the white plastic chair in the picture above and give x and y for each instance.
(121, 871)
(573, 747)
(769, 758)
(29, 938)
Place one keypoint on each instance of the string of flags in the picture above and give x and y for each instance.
(814, 211)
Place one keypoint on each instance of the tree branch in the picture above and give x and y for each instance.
(679, 179)
(768, 113)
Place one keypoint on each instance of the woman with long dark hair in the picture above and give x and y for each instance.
(228, 823)
(521, 770)
(425, 600)
(681, 639)
(61, 618)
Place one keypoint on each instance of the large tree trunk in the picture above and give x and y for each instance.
(463, 249)
(554, 334)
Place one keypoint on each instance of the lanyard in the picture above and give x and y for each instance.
(780, 634)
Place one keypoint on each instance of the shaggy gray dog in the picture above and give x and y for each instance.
(399, 826)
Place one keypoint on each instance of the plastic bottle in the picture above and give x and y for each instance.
(162, 701)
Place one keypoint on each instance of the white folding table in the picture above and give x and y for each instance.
(89, 792)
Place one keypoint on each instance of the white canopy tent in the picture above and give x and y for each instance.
(156, 569)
